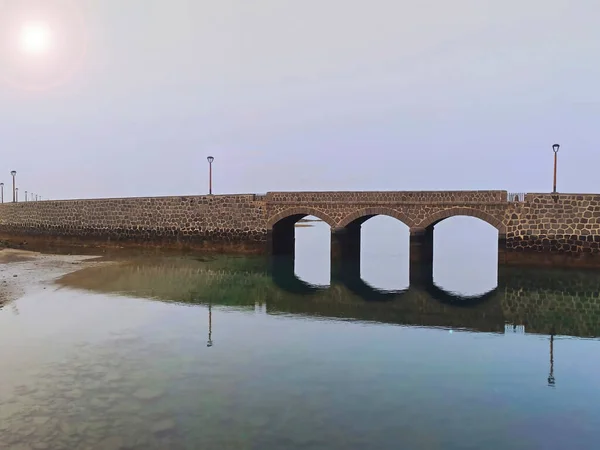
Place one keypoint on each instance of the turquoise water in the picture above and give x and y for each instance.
(244, 353)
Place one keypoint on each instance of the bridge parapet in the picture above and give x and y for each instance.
(377, 197)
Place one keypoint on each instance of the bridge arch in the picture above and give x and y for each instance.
(471, 212)
(301, 212)
(375, 211)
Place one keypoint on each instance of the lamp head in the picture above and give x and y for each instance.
(210, 159)
(555, 148)
(13, 172)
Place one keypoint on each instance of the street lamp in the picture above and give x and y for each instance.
(555, 149)
(210, 160)
(16, 194)
(14, 173)
(2, 192)
(25, 195)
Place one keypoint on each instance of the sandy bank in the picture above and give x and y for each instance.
(24, 271)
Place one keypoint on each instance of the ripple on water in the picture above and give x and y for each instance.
(108, 402)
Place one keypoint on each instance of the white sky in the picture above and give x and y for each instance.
(301, 95)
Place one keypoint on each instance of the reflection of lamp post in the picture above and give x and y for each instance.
(2, 192)
(210, 342)
(551, 375)
(210, 160)
(14, 173)
(555, 149)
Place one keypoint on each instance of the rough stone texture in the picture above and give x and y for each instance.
(554, 225)
(417, 210)
(217, 222)
(541, 228)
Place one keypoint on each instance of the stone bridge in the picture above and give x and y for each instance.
(345, 212)
(547, 229)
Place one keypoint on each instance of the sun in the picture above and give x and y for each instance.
(35, 38)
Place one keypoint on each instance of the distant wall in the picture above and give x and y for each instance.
(217, 222)
(554, 228)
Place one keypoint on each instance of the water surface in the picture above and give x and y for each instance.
(247, 353)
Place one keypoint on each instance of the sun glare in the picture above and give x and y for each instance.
(35, 38)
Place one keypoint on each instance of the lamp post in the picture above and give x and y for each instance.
(14, 173)
(25, 195)
(2, 192)
(16, 194)
(555, 149)
(210, 160)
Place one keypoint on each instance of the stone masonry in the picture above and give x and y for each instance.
(557, 228)
(548, 229)
(216, 222)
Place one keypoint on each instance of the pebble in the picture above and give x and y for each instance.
(75, 393)
(112, 376)
(148, 393)
(163, 426)
(65, 428)
(110, 443)
(40, 420)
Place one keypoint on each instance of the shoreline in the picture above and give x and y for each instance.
(23, 271)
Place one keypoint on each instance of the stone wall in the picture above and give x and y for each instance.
(542, 229)
(554, 229)
(416, 209)
(217, 222)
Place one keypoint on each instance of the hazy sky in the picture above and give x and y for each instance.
(132, 95)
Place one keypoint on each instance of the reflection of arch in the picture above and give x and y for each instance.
(451, 298)
(348, 273)
(300, 211)
(471, 212)
(284, 277)
(422, 279)
(376, 211)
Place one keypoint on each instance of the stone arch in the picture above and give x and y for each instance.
(307, 211)
(376, 211)
(471, 212)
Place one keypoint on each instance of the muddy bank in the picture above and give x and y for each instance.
(24, 271)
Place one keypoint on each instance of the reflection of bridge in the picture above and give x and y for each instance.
(346, 272)
(545, 302)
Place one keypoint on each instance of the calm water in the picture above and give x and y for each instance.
(242, 353)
